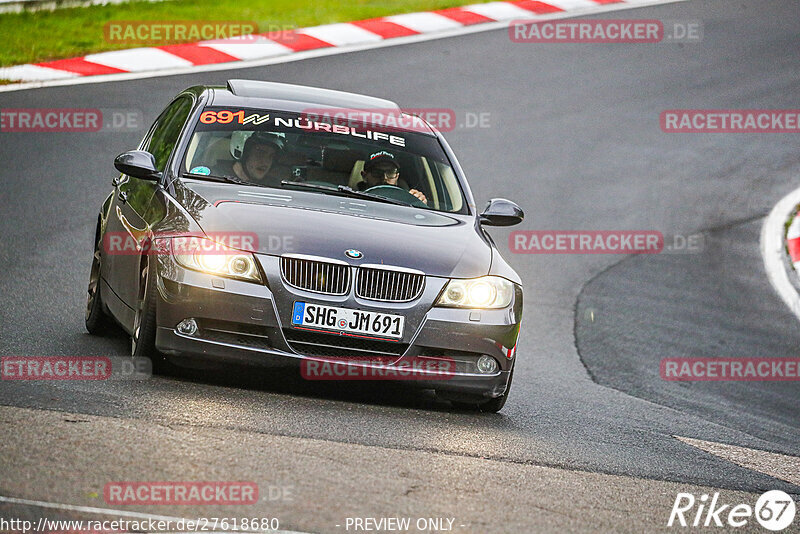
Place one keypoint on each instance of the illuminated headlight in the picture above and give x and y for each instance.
(485, 292)
(211, 257)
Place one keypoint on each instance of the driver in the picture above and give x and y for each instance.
(382, 169)
(257, 158)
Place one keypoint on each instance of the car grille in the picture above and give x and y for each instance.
(335, 345)
(315, 275)
(389, 285)
(235, 333)
(333, 278)
(465, 362)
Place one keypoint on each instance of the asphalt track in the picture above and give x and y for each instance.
(587, 437)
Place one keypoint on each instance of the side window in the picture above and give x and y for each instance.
(166, 131)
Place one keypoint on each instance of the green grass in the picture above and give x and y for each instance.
(42, 36)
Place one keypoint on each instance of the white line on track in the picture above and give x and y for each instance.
(772, 250)
(321, 52)
(109, 511)
(781, 466)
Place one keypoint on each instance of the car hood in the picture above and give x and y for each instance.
(281, 221)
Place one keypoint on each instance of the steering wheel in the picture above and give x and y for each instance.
(396, 193)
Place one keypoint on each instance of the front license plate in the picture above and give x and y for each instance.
(347, 320)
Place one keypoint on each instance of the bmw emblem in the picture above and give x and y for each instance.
(353, 253)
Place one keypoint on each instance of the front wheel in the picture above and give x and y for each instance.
(97, 322)
(143, 335)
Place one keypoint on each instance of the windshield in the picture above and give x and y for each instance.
(288, 150)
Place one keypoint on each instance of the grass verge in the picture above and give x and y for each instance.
(33, 37)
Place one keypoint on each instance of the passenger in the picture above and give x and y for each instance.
(257, 159)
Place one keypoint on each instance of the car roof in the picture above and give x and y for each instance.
(301, 98)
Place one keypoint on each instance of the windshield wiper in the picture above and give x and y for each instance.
(304, 185)
(345, 191)
(224, 178)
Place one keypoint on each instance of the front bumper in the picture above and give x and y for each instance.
(247, 323)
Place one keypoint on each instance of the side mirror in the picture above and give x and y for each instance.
(501, 212)
(137, 163)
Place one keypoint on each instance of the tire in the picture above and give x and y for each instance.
(491, 406)
(143, 334)
(97, 321)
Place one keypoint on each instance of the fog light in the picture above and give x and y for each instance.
(187, 327)
(487, 365)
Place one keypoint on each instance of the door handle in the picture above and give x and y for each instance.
(138, 234)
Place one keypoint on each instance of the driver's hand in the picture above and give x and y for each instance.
(419, 194)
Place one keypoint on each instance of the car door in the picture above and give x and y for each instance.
(130, 209)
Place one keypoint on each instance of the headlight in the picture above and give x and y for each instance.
(484, 292)
(205, 255)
